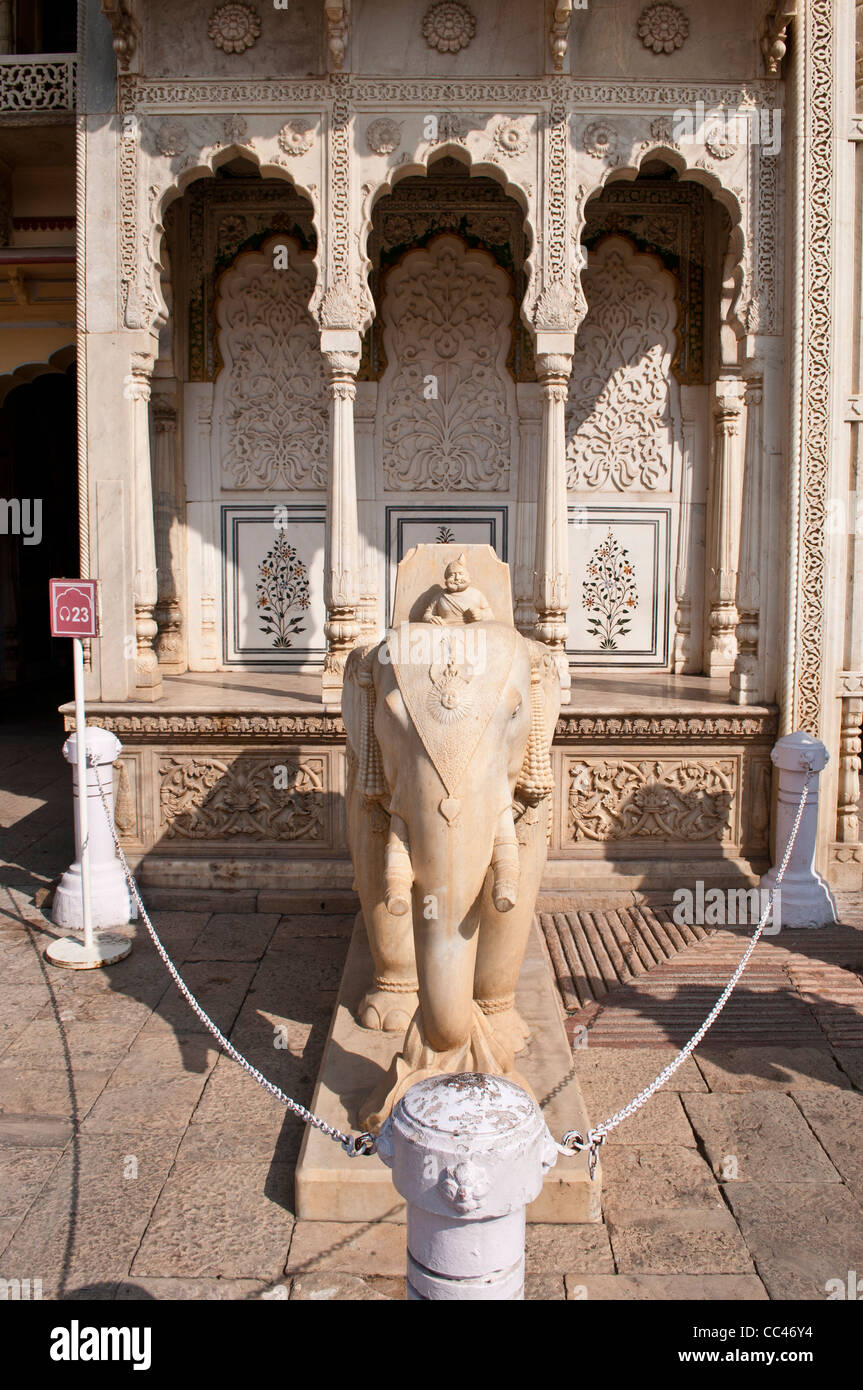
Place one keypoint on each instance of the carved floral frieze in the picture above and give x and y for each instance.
(260, 798)
(657, 798)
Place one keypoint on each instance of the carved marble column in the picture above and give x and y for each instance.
(551, 562)
(746, 678)
(365, 410)
(529, 413)
(684, 659)
(848, 815)
(724, 532)
(148, 680)
(341, 558)
(170, 643)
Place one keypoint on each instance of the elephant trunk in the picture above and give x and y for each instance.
(398, 870)
(504, 863)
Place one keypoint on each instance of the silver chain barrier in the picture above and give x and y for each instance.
(572, 1141)
(365, 1143)
(354, 1145)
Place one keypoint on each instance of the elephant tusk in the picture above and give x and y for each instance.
(398, 870)
(504, 864)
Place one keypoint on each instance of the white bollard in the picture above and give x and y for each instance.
(467, 1152)
(112, 904)
(806, 900)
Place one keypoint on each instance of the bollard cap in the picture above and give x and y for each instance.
(102, 745)
(467, 1145)
(800, 752)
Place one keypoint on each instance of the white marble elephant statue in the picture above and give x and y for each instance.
(448, 812)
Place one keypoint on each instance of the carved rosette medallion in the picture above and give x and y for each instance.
(719, 141)
(384, 136)
(234, 27)
(510, 136)
(448, 26)
(171, 139)
(663, 28)
(600, 141)
(297, 137)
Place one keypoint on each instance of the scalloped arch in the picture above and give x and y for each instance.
(735, 289)
(58, 362)
(419, 166)
(205, 169)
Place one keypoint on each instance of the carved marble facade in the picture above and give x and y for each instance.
(534, 293)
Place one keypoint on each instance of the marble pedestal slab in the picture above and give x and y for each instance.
(332, 1187)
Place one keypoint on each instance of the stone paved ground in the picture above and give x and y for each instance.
(137, 1162)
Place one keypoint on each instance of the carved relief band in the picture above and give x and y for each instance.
(659, 799)
(274, 798)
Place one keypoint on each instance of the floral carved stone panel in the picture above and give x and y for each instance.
(622, 415)
(269, 797)
(447, 401)
(660, 799)
(271, 409)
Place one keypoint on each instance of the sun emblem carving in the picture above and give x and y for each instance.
(234, 27)
(663, 28)
(448, 26)
(450, 698)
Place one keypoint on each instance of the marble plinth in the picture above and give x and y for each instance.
(332, 1187)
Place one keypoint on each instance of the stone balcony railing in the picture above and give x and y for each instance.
(33, 83)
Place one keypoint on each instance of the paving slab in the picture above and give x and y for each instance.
(553, 1249)
(753, 1134)
(234, 936)
(657, 1179)
(91, 1213)
(194, 1290)
(144, 1103)
(701, 1241)
(800, 1236)
(850, 1059)
(228, 1220)
(351, 1247)
(763, 1068)
(685, 1288)
(836, 1119)
(54, 1091)
(334, 1288)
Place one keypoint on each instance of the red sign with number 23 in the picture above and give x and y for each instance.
(74, 607)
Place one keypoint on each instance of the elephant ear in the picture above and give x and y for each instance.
(536, 780)
(358, 712)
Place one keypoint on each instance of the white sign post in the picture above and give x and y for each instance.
(75, 614)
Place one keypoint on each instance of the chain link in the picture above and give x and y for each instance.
(572, 1141)
(354, 1145)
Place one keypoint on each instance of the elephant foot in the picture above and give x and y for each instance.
(483, 1051)
(388, 1010)
(506, 1024)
